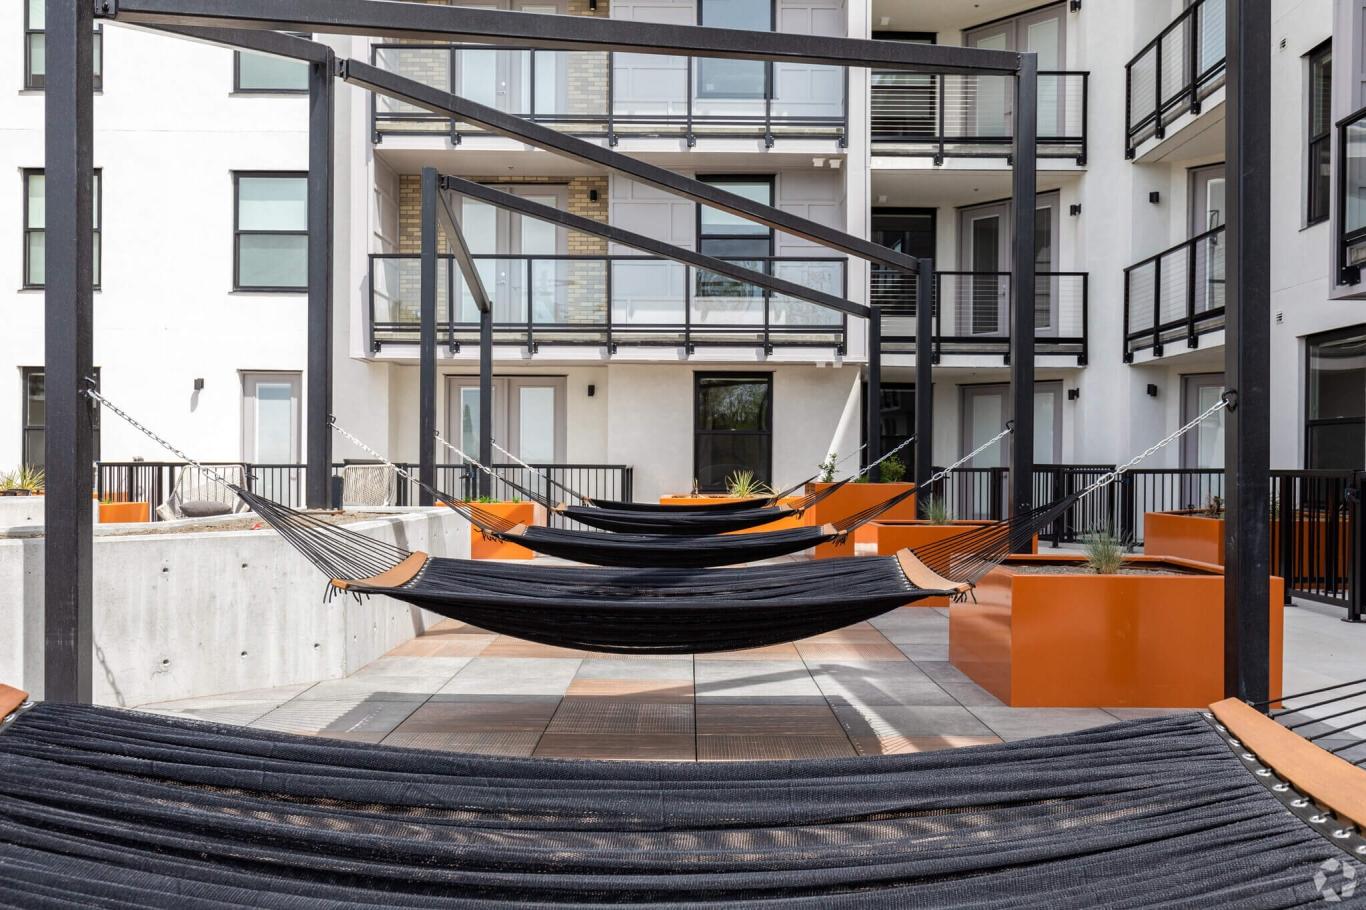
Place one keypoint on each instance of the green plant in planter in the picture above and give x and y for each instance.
(1104, 552)
(828, 466)
(485, 500)
(1215, 507)
(742, 485)
(893, 470)
(937, 511)
(29, 478)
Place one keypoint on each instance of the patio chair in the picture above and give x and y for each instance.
(198, 494)
(369, 484)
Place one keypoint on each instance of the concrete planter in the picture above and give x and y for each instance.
(1083, 641)
(481, 547)
(851, 499)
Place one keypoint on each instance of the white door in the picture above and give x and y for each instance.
(1044, 33)
(271, 432)
(513, 261)
(985, 411)
(982, 300)
(528, 421)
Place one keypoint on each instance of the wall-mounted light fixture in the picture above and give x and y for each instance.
(1154, 197)
(199, 385)
(1075, 6)
(1152, 390)
(592, 195)
(1074, 209)
(592, 390)
(593, 5)
(1073, 394)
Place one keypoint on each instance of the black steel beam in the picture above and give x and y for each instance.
(1023, 192)
(664, 250)
(1247, 360)
(872, 390)
(463, 258)
(485, 399)
(69, 449)
(924, 382)
(430, 22)
(440, 102)
(321, 133)
(426, 443)
(257, 41)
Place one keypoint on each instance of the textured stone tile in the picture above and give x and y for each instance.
(927, 651)
(877, 683)
(901, 745)
(1023, 723)
(908, 720)
(821, 652)
(240, 714)
(593, 716)
(970, 695)
(512, 744)
(443, 646)
(732, 747)
(767, 720)
(651, 668)
(377, 688)
(1145, 713)
(335, 717)
(413, 666)
(781, 652)
(749, 678)
(513, 676)
(455, 717)
(277, 694)
(861, 634)
(658, 747)
(633, 690)
(507, 646)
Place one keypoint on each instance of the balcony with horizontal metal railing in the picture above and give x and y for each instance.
(1174, 73)
(972, 313)
(608, 301)
(614, 95)
(940, 117)
(1175, 296)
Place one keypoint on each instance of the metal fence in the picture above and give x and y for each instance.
(1176, 295)
(1175, 72)
(964, 116)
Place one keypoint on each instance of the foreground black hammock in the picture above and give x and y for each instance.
(114, 808)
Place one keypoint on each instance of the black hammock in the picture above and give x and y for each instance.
(114, 808)
(658, 611)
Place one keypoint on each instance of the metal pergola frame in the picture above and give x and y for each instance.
(251, 24)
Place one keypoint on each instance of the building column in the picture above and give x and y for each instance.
(426, 444)
(321, 126)
(924, 381)
(1023, 193)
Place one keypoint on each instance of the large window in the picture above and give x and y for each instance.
(265, 74)
(739, 79)
(35, 47)
(35, 228)
(733, 238)
(1335, 413)
(733, 427)
(1320, 133)
(33, 416)
(271, 232)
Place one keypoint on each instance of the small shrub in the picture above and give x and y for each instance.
(1215, 507)
(937, 511)
(827, 467)
(1104, 552)
(742, 485)
(893, 470)
(30, 478)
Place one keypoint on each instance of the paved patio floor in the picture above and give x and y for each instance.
(877, 688)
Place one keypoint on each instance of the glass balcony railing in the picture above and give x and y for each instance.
(1175, 296)
(972, 313)
(608, 301)
(1174, 72)
(972, 116)
(614, 95)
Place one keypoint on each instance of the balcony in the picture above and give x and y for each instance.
(1351, 197)
(1177, 295)
(974, 318)
(943, 117)
(1174, 73)
(609, 301)
(614, 96)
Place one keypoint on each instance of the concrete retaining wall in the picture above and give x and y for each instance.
(182, 615)
(28, 510)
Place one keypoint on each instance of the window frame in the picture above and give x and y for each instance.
(97, 229)
(238, 233)
(36, 83)
(698, 434)
(699, 236)
(1311, 423)
(237, 73)
(25, 427)
(1316, 59)
(699, 93)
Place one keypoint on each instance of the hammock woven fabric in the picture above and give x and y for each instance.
(669, 551)
(640, 518)
(114, 808)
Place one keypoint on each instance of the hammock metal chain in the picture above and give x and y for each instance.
(945, 472)
(1111, 476)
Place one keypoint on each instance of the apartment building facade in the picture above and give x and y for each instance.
(605, 357)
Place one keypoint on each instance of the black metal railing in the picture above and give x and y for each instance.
(609, 301)
(611, 95)
(1176, 295)
(153, 482)
(1174, 73)
(1351, 197)
(951, 116)
(972, 313)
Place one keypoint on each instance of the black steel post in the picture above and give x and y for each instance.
(69, 451)
(321, 123)
(426, 443)
(1023, 191)
(924, 379)
(873, 393)
(486, 398)
(1247, 362)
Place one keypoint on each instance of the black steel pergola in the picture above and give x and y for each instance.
(256, 25)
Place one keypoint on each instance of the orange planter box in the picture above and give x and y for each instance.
(1321, 549)
(1096, 641)
(124, 512)
(782, 524)
(854, 498)
(893, 536)
(1184, 535)
(482, 548)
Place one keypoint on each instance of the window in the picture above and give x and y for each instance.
(733, 427)
(738, 79)
(35, 228)
(266, 74)
(35, 47)
(1335, 413)
(1320, 133)
(733, 238)
(271, 232)
(33, 413)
